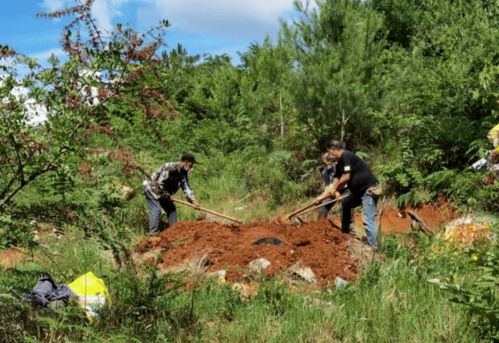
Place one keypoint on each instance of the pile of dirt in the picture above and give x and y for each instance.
(398, 220)
(317, 245)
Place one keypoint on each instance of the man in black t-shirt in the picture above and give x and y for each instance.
(353, 172)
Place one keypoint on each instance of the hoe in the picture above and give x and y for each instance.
(286, 218)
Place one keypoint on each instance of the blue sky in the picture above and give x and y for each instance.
(202, 26)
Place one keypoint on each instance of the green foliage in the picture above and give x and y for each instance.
(411, 86)
(384, 77)
(23, 324)
(13, 232)
(110, 198)
(480, 293)
(73, 96)
(146, 308)
(465, 187)
(268, 174)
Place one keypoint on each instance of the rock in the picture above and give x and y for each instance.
(127, 192)
(194, 265)
(219, 275)
(340, 283)
(362, 252)
(303, 272)
(259, 265)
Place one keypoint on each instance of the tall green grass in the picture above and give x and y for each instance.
(391, 301)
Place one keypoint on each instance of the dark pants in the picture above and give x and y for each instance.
(323, 211)
(155, 207)
(368, 202)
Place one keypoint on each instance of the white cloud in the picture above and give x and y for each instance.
(103, 14)
(43, 56)
(36, 113)
(104, 11)
(227, 17)
(53, 5)
(259, 10)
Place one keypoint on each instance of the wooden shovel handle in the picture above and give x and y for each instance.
(292, 214)
(333, 201)
(207, 210)
(313, 206)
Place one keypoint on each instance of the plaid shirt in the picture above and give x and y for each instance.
(170, 177)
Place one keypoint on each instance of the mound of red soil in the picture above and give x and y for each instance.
(397, 220)
(433, 215)
(318, 245)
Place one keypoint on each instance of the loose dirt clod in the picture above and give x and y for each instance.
(258, 265)
(303, 272)
(318, 245)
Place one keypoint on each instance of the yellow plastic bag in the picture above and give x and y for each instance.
(92, 293)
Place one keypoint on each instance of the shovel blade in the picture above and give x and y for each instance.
(283, 220)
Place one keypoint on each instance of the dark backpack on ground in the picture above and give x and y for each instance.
(47, 291)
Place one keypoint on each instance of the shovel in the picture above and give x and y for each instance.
(320, 205)
(207, 211)
(286, 218)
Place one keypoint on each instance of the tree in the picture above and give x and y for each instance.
(337, 50)
(75, 95)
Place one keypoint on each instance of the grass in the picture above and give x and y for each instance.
(388, 304)
(391, 302)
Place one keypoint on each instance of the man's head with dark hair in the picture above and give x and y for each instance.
(188, 157)
(333, 143)
(187, 161)
(335, 148)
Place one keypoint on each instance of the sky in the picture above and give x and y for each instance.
(201, 26)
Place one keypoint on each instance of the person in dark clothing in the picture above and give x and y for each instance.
(327, 173)
(165, 182)
(363, 189)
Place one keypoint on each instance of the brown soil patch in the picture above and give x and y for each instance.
(392, 219)
(318, 245)
(11, 257)
(434, 215)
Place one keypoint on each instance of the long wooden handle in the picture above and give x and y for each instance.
(312, 207)
(316, 207)
(207, 210)
(323, 204)
(292, 214)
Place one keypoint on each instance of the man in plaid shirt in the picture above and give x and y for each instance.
(165, 182)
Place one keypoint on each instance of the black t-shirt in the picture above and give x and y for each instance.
(361, 177)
